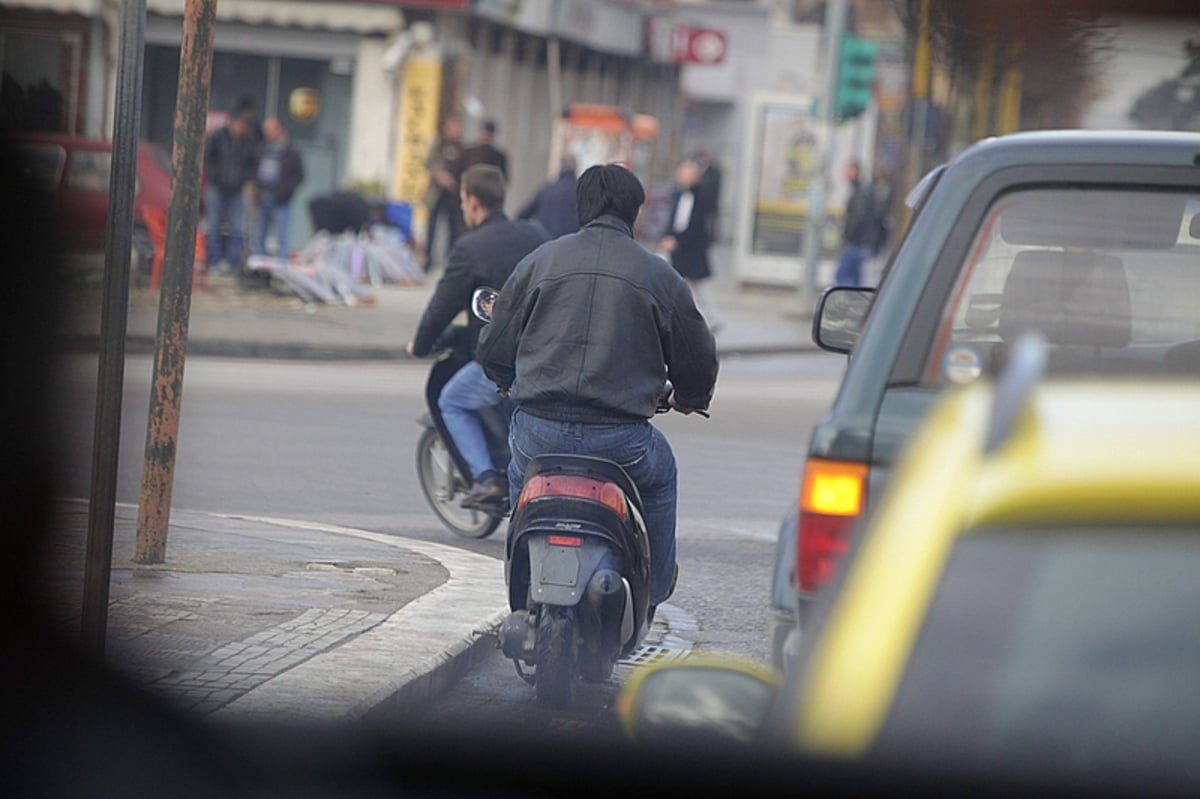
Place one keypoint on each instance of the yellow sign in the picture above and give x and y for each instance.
(304, 104)
(417, 130)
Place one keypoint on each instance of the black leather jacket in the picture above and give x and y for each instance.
(590, 326)
(484, 257)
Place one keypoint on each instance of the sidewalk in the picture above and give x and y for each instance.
(227, 321)
(255, 619)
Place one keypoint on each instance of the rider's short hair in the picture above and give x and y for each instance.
(485, 183)
(608, 189)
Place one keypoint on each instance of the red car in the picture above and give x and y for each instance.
(77, 170)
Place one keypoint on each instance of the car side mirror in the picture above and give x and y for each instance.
(841, 313)
(700, 699)
(483, 301)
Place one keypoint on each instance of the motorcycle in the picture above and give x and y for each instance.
(442, 471)
(577, 567)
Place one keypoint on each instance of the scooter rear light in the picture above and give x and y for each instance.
(832, 498)
(572, 485)
(566, 541)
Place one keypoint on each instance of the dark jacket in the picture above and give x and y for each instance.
(484, 153)
(484, 257)
(290, 176)
(230, 163)
(554, 206)
(860, 228)
(590, 325)
(690, 257)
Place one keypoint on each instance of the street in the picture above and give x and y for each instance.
(334, 443)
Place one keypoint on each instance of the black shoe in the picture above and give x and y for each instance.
(488, 493)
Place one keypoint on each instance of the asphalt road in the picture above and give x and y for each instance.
(334, 442)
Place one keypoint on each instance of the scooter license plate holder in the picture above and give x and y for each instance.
(561, 566)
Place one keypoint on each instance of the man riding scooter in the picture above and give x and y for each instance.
(583, 337)
(485, 256)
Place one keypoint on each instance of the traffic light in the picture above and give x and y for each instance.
(856, 76)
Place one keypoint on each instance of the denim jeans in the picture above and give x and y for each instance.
(220, 208)
(460, 401)
(638, 447)
(273, 213)
(850, 265)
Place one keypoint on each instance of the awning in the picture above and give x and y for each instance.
(355, 18)
(86, 8)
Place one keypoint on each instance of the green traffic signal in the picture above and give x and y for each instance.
(856, 76)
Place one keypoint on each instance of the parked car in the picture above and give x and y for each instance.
(77, 170)
(1091, 238)
(1022, 601)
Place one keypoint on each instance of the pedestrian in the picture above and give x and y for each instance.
(230, 166)
(583, 337)
(709, 189)
(686, 239)
(445, 166)
(553, 204)
(485, 150)
(485, 256)
(280, 173)
(860, 230)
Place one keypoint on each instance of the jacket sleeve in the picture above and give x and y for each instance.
(690, 349)
(452, 295)
(499, 340)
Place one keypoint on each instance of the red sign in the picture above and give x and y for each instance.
(698, 45)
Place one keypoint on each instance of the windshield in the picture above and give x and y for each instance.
(1109, 277)
(1058, 648)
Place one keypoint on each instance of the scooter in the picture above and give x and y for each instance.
(577, 567)
(442, 471)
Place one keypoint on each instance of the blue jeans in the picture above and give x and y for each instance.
(221, 208)
(277, 214)
(850, 265)
(460, 402)
(638, 447)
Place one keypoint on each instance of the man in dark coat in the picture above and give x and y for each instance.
(280, 173)
(445, 167)
(686, 238)
(584, 335)
(860, 230)
(230, 164)
(484, 257)
(553, 205)
(486, 151)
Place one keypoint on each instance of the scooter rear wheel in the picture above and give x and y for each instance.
(444, 488)
(557, 656)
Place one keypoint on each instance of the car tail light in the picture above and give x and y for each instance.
(572, 485)
(832, 497)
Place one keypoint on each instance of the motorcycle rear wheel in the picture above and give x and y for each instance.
(444, 487)
(557, 655)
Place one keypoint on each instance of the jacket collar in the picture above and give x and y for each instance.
(612, 222)
(492, 218)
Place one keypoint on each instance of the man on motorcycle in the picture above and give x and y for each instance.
(583, 337)
(484, 257)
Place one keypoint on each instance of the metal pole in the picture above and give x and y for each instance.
(174, 305)
(113, 322)
(835, 23)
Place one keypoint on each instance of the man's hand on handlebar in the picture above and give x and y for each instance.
(675, 405)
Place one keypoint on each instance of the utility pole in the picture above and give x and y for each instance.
(175, 298)
(835, 23)
(114, 318)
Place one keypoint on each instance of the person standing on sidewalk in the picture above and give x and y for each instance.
(445, 167)
(230, 164)
(584, 336)
(687, 240)
(486, 151)
(280, 173)
(553, 204)
(486, 256)
(860, 230)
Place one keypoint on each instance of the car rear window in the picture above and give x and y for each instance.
(1072, 648)
(1111, 278)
